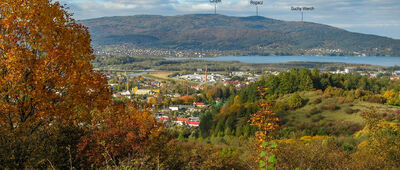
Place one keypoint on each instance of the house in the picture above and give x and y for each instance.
(126, 94)
(193, 124)
(193, 109)
(164, 118)
(395, 78)
(143, 92)
(174, 108)
(181, 121)
(199, 104)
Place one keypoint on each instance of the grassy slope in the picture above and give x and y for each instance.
(302, 115)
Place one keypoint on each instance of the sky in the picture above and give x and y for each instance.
(379, 17)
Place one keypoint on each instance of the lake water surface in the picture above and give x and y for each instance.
(373, 60)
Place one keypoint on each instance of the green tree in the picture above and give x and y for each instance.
(295, 101)
(306, 82)
(206, 124)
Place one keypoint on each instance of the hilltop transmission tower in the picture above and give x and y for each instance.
(256, 3)
(302, 9)
(215, 2)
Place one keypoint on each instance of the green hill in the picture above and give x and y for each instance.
(219, 32)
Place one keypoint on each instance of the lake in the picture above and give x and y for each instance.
(373, 60)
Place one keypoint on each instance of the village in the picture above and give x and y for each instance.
(180, 99)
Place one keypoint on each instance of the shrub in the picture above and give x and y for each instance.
(334, 91)
(326, 95)
(335, 128)
(192, 155)
(279, 107)
(295, 101)
(316, 154)
(314, 111)
(341, 100)
(317, 101)
(318, 118)
(381, 149)
(332, 107)
(349, 110)
(374, 99)
(388, 116)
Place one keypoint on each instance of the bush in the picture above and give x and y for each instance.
(332, 107)
(341, 100)
(314, 111)
(317, 101)
(295, 101)
(374, 99)
(192, 155)
(318, 118)
(326, 95)
(278, 107)
(349, 110)
(316, 154)
(56, 144)
(332, 128)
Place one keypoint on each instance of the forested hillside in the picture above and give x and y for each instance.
(219, 32)
(303, 99)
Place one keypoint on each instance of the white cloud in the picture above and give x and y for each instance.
(110, 5)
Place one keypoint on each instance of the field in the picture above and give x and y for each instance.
(160, 75)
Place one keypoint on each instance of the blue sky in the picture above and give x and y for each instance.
(380, 17)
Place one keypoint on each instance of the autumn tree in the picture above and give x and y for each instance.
(267, 123)
(45, 73)
(381, 149)
(392, 97)
(120, 132)
(45, 66)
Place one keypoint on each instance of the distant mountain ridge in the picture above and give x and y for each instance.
(220, 32)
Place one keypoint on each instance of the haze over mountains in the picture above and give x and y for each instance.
(219, 32)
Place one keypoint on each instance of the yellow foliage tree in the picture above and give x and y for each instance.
(267, 123)
(381, 150)
(45, 68)
(392, 97)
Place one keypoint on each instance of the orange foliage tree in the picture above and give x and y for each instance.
(120, 132)
(45, 70)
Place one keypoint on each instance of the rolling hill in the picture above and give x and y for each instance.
(219, 32)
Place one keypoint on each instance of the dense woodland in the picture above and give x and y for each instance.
(58, 113)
